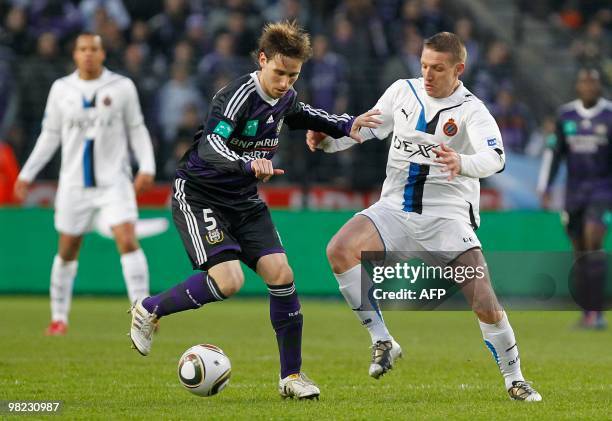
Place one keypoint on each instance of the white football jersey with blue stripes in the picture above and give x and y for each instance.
(419, 123)
(93, 121)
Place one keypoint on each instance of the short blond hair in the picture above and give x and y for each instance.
(286, 38)
(447, 42)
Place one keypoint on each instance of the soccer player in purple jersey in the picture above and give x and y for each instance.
(217, 210)
(584, 139)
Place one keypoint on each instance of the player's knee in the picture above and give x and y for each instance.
(231, 283)
(340, 256)
(69, 249)
(127, 244)
(282, 276)
(333, 251)
(68, 255)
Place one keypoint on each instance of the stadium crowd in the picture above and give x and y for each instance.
(180, 52)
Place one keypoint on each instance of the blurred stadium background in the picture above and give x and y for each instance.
(523, 57)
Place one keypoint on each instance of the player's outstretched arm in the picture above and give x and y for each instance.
(302, 116)
(375, 123)
(368, 120)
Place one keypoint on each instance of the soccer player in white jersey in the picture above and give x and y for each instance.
(444, 139)
(93, 114)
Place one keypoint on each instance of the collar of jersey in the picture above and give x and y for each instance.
(457, 95)
(103, 75)
(590, 112)
(260, 91)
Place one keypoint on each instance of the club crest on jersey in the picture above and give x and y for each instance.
(250, 128)
(107, 101)
(450, 127)
(223, 129)
(570, 127)
(279, 126)
(214, 236)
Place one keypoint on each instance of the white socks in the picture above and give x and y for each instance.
(62, 279)
(499, 338)
(136, 274)
(351, 289)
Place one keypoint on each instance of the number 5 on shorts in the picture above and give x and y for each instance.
(211, 222)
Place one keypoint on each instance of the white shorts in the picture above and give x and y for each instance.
(414, 235)
(75, 207)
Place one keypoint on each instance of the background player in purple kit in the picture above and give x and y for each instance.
(218, 212)
(584, 138)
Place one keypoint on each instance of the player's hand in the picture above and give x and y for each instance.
(143, 183)
(367, 119)
(264, 170)
(21, 189)
(313, 139)
(449, 158)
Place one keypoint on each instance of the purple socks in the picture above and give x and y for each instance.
(287, 323)
(194, 292)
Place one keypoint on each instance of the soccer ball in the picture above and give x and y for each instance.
(204, 370)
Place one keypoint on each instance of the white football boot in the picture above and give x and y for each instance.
(298, 386)
(143, 326)
(384, 354)
(522, 391)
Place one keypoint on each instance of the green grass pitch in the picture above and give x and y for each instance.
(446, 373)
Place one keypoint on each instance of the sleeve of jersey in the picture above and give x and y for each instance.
(226, 110)
(49, 139)
(138, 133)
(551, 159)
(385, 106)
(485, 138)
(304, 116)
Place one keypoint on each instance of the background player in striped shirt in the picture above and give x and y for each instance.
(443, 140)
(584, 139)
(217, 210)
(94, 114)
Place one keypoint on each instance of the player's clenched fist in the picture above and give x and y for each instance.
(264, 170)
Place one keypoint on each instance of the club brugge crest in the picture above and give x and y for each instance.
(107, 101)
(280, 126)
(450, 127)
(214, 236)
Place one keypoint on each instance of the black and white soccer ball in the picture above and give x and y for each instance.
(204, 370)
